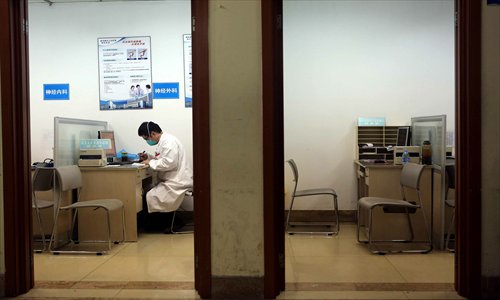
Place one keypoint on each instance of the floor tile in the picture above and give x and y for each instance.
(64, 267)
(437, 266)
(144, 268)
(158, 294)
(161, 245)
(325, 246)
(433, 295)
(342, 268)
(340, 295)
(70, 293)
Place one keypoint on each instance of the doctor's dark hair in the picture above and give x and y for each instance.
(147, 127)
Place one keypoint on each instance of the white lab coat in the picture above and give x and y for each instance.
(174, 175)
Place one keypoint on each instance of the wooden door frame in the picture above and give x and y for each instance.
(468, 153)
(468, 147)
(273, 147)
(16, 153)
(201, 148)
(16, 146)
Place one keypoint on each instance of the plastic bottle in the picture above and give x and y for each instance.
(405, 158)
(426, 153)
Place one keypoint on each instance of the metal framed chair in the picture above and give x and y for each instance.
(450, 184)
(410, 178)
(43, 180)
(69, 179)
(186, 205)
(306, 193)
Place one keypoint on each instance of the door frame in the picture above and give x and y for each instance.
(273, 147)
(16, 147)
(468, 137)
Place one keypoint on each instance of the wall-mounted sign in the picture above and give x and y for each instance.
(95, 144)
(125, 73)
(58, 91)
(166, 90)
(188, 71)
(372, 121)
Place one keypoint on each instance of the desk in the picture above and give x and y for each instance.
(383, 180)
(120, 182)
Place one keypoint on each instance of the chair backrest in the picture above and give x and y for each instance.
(43, 179)
(410, 175)
(69, 177)
(295, 172)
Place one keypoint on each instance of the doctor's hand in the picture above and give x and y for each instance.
(146, 161)
(143, 156)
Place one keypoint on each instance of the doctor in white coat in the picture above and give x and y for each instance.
(174, 174)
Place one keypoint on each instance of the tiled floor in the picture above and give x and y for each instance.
(161, 266)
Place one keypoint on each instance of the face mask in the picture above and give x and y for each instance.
(151, 142)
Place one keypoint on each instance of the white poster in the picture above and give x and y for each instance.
(125, 73)
(188, 71)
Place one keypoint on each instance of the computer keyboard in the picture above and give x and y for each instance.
(120, 163)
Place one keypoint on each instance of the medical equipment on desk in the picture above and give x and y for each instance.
(92, 158)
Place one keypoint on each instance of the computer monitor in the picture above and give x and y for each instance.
(403, 138)
(106, 134)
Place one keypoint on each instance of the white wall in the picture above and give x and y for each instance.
(63, 49)
(350, 59)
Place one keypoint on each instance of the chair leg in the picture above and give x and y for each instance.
(452, 224)
(288, 215)
(412, 233)
(358, 224)
(336, 210)
(109, 230)
(172, 223)
(40, 225)
(123, 225)
(73, 225)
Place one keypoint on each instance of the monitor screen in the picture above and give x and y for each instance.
(104, 134)
(403, 136)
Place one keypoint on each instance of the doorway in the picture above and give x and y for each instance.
(467, 124)
(16, 120)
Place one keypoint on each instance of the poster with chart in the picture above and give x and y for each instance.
(125, 73)
(188, 71)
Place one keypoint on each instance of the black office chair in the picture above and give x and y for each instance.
(410, 178)
(306, 193)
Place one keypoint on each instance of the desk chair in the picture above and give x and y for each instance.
(306, 193)
(410, 178)
(186, 205)
(450, 184)
(69, 179)
(43, 180)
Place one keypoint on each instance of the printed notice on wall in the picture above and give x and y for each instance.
(125, 73)
(188, 71)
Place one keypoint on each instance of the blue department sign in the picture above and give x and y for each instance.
(56, 91)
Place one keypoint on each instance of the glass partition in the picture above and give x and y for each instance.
(433, 129)
(67, 135)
